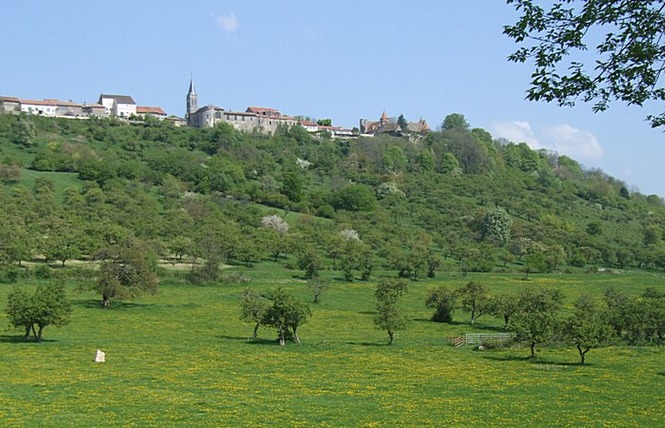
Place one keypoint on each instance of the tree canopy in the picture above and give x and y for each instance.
(628, 51)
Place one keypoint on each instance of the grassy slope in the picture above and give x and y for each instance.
(182, 358)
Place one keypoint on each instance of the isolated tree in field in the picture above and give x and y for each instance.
(390, 316)
(628, 58)
(127, 270)
(286, 314)
(32, 313)
(317, 286)
(537, 317)
(504, 306)
(253, 308)
(475, 299)
(587, 327)
(442, 300)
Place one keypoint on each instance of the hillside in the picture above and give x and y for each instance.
(454, 199)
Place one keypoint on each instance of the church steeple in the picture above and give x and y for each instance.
(192, 101)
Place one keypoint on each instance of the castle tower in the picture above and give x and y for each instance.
(384, 118)
(192, 102)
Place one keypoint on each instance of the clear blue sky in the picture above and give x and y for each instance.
(343, 60)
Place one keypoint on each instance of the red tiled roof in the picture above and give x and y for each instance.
(150, 110)
(39, 102)
(263, 110)
(63, 103)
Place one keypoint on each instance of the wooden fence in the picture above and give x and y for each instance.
(480, 338)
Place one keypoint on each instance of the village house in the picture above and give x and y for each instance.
(309, 126)
(118, 105)
(10, 105)
(155, 112)
(42, 108)
(67, 108)
(94, 110)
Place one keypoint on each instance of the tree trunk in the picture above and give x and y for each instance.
(295, 335)
(106, 301)
(533, 349)
(256, 330)
(27, 330)
(505, 322)
(282, 340)
(34, 333)
(39, 333)
(583, 353)
(391, 336)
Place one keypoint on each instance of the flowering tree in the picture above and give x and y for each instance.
(350, 235)
(276, 223)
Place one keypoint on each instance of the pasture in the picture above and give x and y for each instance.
(183, 358)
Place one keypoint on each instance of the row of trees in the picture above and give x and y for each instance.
(534, 315)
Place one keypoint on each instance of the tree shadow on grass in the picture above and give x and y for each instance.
(21, 339)
(374, 344)
(535, 361)
(494, 328)
(114, 306)
(249, 340)
(508, 358)
(367, 313)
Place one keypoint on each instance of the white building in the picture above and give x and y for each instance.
(118, 105)
(42, 108)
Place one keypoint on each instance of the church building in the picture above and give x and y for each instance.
(260, 119)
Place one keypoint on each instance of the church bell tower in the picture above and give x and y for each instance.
(192, 102)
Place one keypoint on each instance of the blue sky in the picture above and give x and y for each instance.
(343, 60)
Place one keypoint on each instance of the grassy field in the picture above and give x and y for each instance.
(183, 358)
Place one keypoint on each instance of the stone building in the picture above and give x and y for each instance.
(10, 105)
(253, 119)
(94, 110)
(388, 125)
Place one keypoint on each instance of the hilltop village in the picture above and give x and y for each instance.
(253, 119)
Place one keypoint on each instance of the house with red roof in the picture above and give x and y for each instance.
(155, 112)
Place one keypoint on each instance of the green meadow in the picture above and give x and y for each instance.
(183, 358)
